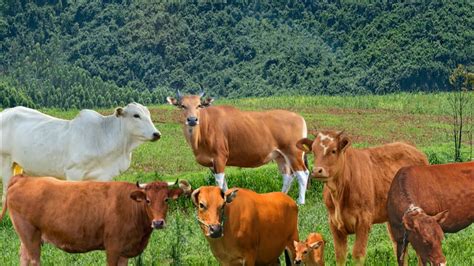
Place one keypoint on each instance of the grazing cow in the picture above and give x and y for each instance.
(90, 146)
(223, 135)
(425, 201)
(78, 217)
(246, 228)
(356, 184)
(311, 251)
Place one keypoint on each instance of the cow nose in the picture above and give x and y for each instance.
(156, 136)
(215, 230)
(192, 121)
(319, 172)
(158, 224)
(298, 262)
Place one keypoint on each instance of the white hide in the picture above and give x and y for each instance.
(90, 146)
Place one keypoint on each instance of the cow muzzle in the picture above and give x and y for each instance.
(297, 262)
(192, 121)
(158, 224)
(156, 136)
(215, 231)
(319, 173)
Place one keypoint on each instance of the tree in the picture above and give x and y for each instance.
(460, 102)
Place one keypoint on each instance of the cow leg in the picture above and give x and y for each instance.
(30, 237)
(285, 171)
(360, 244)
(219, 166)
(113, 257)
(298, 167)
(123, 261)
(340, 244)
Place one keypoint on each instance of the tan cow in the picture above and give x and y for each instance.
(246, 228)
(356, 184)
(223, 135)
(82, 216)
(426, 201)
(311, 251)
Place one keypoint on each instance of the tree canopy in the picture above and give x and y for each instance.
(76, 54)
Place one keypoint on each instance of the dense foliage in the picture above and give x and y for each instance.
(101, 53)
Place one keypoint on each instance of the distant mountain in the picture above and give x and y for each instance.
(75, 54)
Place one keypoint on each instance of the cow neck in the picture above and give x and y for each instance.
(115, 129)
(338, 183)
(141, 220)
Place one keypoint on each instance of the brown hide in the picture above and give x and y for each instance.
(228, 136)
(356, 184)
(257, 227)
(83, 216)
(434, 199)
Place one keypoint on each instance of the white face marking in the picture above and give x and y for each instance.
(323, 137)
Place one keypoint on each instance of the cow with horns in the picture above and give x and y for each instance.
(223, 136)
(79, 217)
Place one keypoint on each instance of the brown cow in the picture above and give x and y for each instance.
(223, 135)
(78, 217)
(246, 228)
(356, 184)
(425, 201)
(311, 251)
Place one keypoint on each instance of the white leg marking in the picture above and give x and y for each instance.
(220, 180)
(302, 178)
(287, 180)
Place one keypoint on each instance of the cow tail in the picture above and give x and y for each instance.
(287, 257)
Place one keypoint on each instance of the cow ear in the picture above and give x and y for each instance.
(175, 193)
(316, 244)
(344, 143)
(138, 195)
(195, 196)
(295, 243)
(230, 197)
(441, 217)
(172, 101)
(118, 111)
(304, 144)
(408, 221)
(207, 102)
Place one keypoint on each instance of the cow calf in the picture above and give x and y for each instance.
(78, 217)
(311, 251)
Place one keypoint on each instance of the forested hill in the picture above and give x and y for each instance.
(79, 54)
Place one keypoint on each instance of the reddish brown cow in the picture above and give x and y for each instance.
(78, 217)
(246, 228)
(311, 251)
(425, 201)
(222, 135)
(356, 184)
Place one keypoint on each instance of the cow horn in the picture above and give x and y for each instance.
(141, 185)
(178, 94)
(172, 183)
(202, 90)
(340, 133)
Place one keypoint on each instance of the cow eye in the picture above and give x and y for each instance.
(202, 206)
(147, 201)
(136, 115)
(183, 107)
(304, 252)
(167, 200)
(333, 151)
(200, 106)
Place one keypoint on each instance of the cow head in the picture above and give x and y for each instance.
(191, 106)
(155, 197)
(311, 251)
(137, 121)
(329, 149)
(425, 234)
(210, 202)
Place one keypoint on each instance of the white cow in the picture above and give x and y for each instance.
(90, 146)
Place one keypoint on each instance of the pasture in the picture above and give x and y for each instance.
(419, 119)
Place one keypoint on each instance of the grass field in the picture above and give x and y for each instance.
(419, 119)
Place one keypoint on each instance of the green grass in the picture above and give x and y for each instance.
(370, 120)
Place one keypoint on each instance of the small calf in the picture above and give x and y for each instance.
(311, 251)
